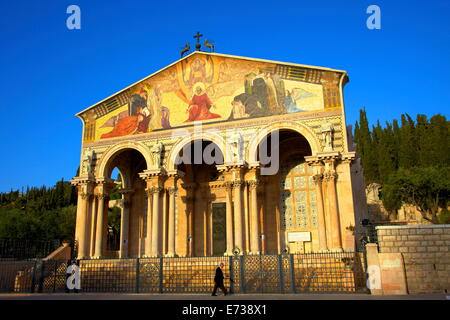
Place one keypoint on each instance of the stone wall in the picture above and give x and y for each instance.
(426, 254)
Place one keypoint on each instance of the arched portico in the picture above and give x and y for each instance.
(252, 150)
(206, 136)
(109, 154)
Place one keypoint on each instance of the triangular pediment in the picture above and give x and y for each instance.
(212, 87)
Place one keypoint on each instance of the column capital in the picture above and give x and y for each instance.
(175, 173)
(171, 190)
(348, 157)
(317, 178)
(85, 195)
(101, 196)
(237, 183)
(253, 184)
(152, 190)
(330, 176)
(228, 185)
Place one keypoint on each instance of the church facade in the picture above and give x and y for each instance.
(221, 155)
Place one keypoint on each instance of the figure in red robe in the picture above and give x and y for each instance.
(199, 106)
(130, 125)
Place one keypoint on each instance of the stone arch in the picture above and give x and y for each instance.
(208, 136)
(252, 150)
(113, 150)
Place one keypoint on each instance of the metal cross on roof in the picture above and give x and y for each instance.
(198, 45)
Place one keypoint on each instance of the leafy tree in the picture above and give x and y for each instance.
(427, 189)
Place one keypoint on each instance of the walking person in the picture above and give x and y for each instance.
(218, 280)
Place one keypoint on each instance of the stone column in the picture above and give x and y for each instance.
(155, 222)
(101, 197)
(189, 198)
(124, 223)
(82, 241)
(321, 212)
(330, 177)
(153, 181)
(254, 219)
(148, 231)
(229, 219)
(238, 231)
(247, 222)
(171, 238)
(93, 226)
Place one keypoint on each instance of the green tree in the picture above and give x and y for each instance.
(427, 189)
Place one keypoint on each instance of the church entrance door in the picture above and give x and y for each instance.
(219, 228)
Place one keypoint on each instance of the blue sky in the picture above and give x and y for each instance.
(48, 73)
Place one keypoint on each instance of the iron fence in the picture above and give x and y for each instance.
(26, 249)
(285, 273)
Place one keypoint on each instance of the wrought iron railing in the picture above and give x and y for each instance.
(285, 273)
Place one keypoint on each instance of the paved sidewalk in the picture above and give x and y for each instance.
(112, 296)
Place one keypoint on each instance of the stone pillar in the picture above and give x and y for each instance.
(148, 231)
(164, 220)
(101, 197)
(321, 212)
(153, 180)
(333, 209)
(124, 223)
(229, 219)
(171, 230)
(93, 226)
(82, 241)
(254, 219)
(155, 222)
(246, 218)
(189, 198)
(238, 225)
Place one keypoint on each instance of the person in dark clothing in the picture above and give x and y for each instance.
(218, 280)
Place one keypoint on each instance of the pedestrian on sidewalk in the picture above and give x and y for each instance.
(218, 280)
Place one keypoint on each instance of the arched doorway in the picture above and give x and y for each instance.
(125, 221)
(289, 199)
(202, 197)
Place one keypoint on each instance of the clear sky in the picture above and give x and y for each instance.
(48, 73)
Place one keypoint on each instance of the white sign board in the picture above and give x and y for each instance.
(299, 236)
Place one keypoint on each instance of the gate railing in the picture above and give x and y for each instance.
(285, 273)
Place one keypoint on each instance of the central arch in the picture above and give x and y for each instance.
(206, 136)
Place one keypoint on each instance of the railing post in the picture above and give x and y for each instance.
(138, 275)
(231, 274)
(292, 273)
(33, 279)
(41, 278)
(161, 275)
(242, 274)
(280, 268)
(54, 275)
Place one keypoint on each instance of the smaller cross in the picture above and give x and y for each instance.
(198, 45)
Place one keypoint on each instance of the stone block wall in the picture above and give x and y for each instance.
(426, 254)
